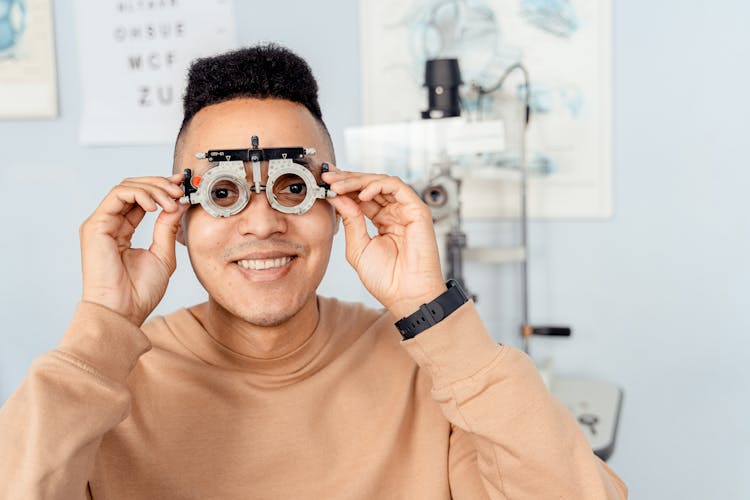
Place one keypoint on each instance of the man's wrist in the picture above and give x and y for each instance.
(408, 305)
(432, 312)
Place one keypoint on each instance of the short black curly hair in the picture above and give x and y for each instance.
(261, 71)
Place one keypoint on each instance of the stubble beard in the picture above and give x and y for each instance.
(274, 308)
(263, 316)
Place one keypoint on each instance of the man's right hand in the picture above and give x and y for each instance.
(131, 281)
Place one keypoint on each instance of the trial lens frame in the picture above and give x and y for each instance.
(230, 163)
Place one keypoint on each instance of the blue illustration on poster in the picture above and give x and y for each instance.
(553, 16)
(472, 31)
(12, 26)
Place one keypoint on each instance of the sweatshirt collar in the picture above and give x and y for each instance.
(191, 333)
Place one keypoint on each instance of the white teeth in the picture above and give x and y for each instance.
(259, 264)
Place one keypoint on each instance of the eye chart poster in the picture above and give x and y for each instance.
(133, 57)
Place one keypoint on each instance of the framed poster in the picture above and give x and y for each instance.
(28, 86)
(566, 47)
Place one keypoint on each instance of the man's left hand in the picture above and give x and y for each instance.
(400, 266)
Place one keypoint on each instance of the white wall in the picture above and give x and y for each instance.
(654, 295)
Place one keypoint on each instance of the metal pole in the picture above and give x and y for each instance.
(526, 329)
(525, 261)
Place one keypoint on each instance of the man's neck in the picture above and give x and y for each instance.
(248, 339)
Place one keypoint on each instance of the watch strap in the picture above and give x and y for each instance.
(433, 312)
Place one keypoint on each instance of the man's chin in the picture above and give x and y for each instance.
(269, 320)
(267, 315)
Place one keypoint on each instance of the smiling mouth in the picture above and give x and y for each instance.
(263, 264)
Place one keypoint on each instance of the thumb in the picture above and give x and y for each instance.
(165, 233)
(355, 227)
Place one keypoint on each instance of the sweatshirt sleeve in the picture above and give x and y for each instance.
(52, 425)
(526, 444)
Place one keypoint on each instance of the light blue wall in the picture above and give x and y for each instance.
(655, 295)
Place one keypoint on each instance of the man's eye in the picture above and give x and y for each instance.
(225, 193)
(221, 193)
(289, 190)
(295, 189)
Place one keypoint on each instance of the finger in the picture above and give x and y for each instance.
(165, 232)
(355, 228)
(122, 199)
(360, 182)
(176, 181)
(343, 174)
(389, 198)
(370, 208)
(135, 216)
(383, 221)
(334, 174)
(170, 184)
(380, 199)
(165, 197)
(176, 178)
(393, 189)
(345, 182)
(347, 173)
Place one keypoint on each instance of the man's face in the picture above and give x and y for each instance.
(260, 265)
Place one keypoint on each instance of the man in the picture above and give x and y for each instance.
(267, 390)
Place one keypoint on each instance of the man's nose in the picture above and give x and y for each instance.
(259, 219)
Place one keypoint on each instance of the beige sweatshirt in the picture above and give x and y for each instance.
(165, 411)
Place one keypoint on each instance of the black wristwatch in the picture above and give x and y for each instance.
(433, 312)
